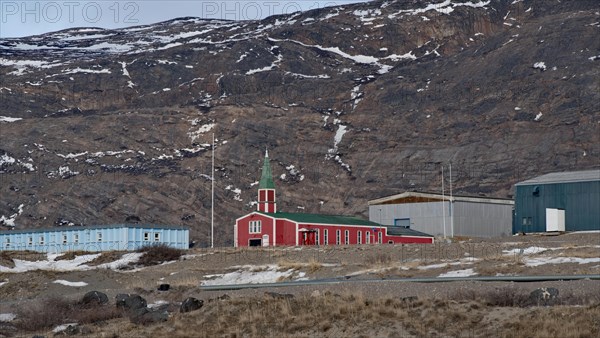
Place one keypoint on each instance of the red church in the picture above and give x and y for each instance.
(268, 227)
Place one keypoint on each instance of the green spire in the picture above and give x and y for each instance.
(266, 180)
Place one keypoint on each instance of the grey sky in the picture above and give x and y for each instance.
(26, 17)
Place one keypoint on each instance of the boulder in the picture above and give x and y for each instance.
(164, 287)
(543, 296)
(191, 304)
(94, 297)
(148, 316)
(130, 302)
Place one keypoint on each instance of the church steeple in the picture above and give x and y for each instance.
(266, 188)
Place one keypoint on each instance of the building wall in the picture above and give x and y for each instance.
(482, 219)
(91, 239)
(580, 201)
(243, 229)
(286, 232)
(353, 231)
(425, 217)
(470, 218)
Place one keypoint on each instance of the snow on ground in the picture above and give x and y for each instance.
(446, 264)
(251, 274)
(76, 264)
(203, 129)
(458, 273)
(4, 282)
(7, 317)
(559, 260)
(67, 283)
(527, 251)
(62, 327)
(157, 303)
(9, 119)
(540, 65)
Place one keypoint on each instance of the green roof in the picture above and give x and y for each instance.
(321, 219)
(342, 220)
(266, 179)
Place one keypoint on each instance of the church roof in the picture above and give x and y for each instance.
(342, 220)
(266, 179)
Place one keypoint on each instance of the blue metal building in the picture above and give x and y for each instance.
(565, 201)
(94, 238)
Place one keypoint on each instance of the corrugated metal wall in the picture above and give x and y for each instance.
(424, 217)
(470, 219)
(580, 200)
(482, 219)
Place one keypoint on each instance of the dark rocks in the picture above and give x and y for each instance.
(544, 297)
(164, 287)
(130, 302)
(147, 316)
(279, 295)
(191, 304)
(94, 298)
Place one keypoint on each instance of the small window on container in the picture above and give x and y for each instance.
(156, 237)
(41, 240)
(30, 241)
(76, 238)
(64, 239)
(7, 242)
(146, 236)
(99, 237)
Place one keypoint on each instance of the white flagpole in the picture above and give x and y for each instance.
(443, 204)
(212, 203)
(451, 206)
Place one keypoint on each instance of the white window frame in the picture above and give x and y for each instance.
(317, 241)
(325, 237)
(380, 236)
(99, 236)
(359, 237)
(30, 240)
(41, 240)
(367, 237)
(75, 238)
(255, 227)
(338, 237)
(157, 236)
(347, 237)
(64, 237)
(146, 236)
(7, 242)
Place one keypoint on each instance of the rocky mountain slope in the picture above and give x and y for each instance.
(353, 102)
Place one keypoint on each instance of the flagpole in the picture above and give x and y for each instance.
(443, 204)
(212, 199)
(451, 206)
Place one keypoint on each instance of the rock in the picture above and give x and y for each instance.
(279, 295)
(543, 296)
(191, 304)
(164, 287)
(220, 298)
(147, 316)
(130, 302)
(409, 299)
(94, 297)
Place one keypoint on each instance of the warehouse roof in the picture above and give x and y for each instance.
(94, 227)
(565, 177)
(422, 197)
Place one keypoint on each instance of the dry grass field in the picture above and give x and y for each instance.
(37, 294)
